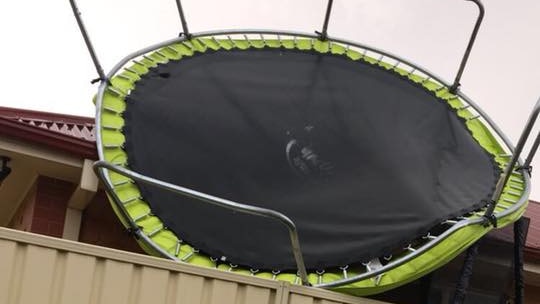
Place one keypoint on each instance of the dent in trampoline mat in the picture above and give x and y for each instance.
(362, 159)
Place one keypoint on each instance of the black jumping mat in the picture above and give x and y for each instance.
(363, 160)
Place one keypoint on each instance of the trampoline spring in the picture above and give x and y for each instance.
(473, 118)
(177, 248)
(216, 41)
(347, 49)
(377, 279)
(426, 80)
(116, 91)
(513, 193)
(516, 187)
(215, 261)
(120, 163)
(380, 59)
(188, 45)
(111, 128)
(442, 87)
(113, 146)
(173, 50)
(140, 217)
(156, 231)
(364, 53)
(160, 53)
(275, 273)
(505, 155)
(388, 257)
(262, 39)
(450, 222)
(297, 278)
(149, 59)
(248, 41)
(429, 236)
(465, 107)
(232, 41)
(125, 77)
(189, 255)
(253, 271)
(319, 276)
(502, 206)
(516, 180)
(330, 46)
(132, 71)
(312, 43)
(509, 200)
(139, 63)
(344, 271)
(514, 173)
(122, 182)
(205, 47)
(279, 40)
(410, 248)
(411, 72)
(232, 267)
(396, 65)
(295, 42)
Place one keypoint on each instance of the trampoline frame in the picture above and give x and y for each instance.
(101, 167)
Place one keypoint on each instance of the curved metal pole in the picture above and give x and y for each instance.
(220, 202)
(182, 19)
(456, 84)
(87, 41)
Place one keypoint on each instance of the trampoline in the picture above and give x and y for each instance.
(301, 157)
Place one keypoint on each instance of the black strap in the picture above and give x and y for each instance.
(465, 274)
(519, 243)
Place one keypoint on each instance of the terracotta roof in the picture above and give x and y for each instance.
(532, 247)
(74, 134)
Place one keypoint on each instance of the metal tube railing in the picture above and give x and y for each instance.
(220, 202)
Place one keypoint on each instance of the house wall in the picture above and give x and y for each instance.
(22, 219)
(52, 196)
(43, 211)
(100, 226)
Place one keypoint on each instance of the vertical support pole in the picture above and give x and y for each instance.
(519, 242)
(324, 33)
(465, 274)
(456, 84)
(88, 42)
(185, 30)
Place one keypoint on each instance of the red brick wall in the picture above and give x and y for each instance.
(100, 226)
(43, 211)
(22, 220)
(52, 196)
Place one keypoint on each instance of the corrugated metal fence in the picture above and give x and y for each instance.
(38, 269)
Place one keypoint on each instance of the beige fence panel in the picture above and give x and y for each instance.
(38, 269)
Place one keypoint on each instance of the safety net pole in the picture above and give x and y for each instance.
(465, 275)
(456, 84)
(185, 30)
(88, 42)
(323, 34)
(523, 138)
(519, 243)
